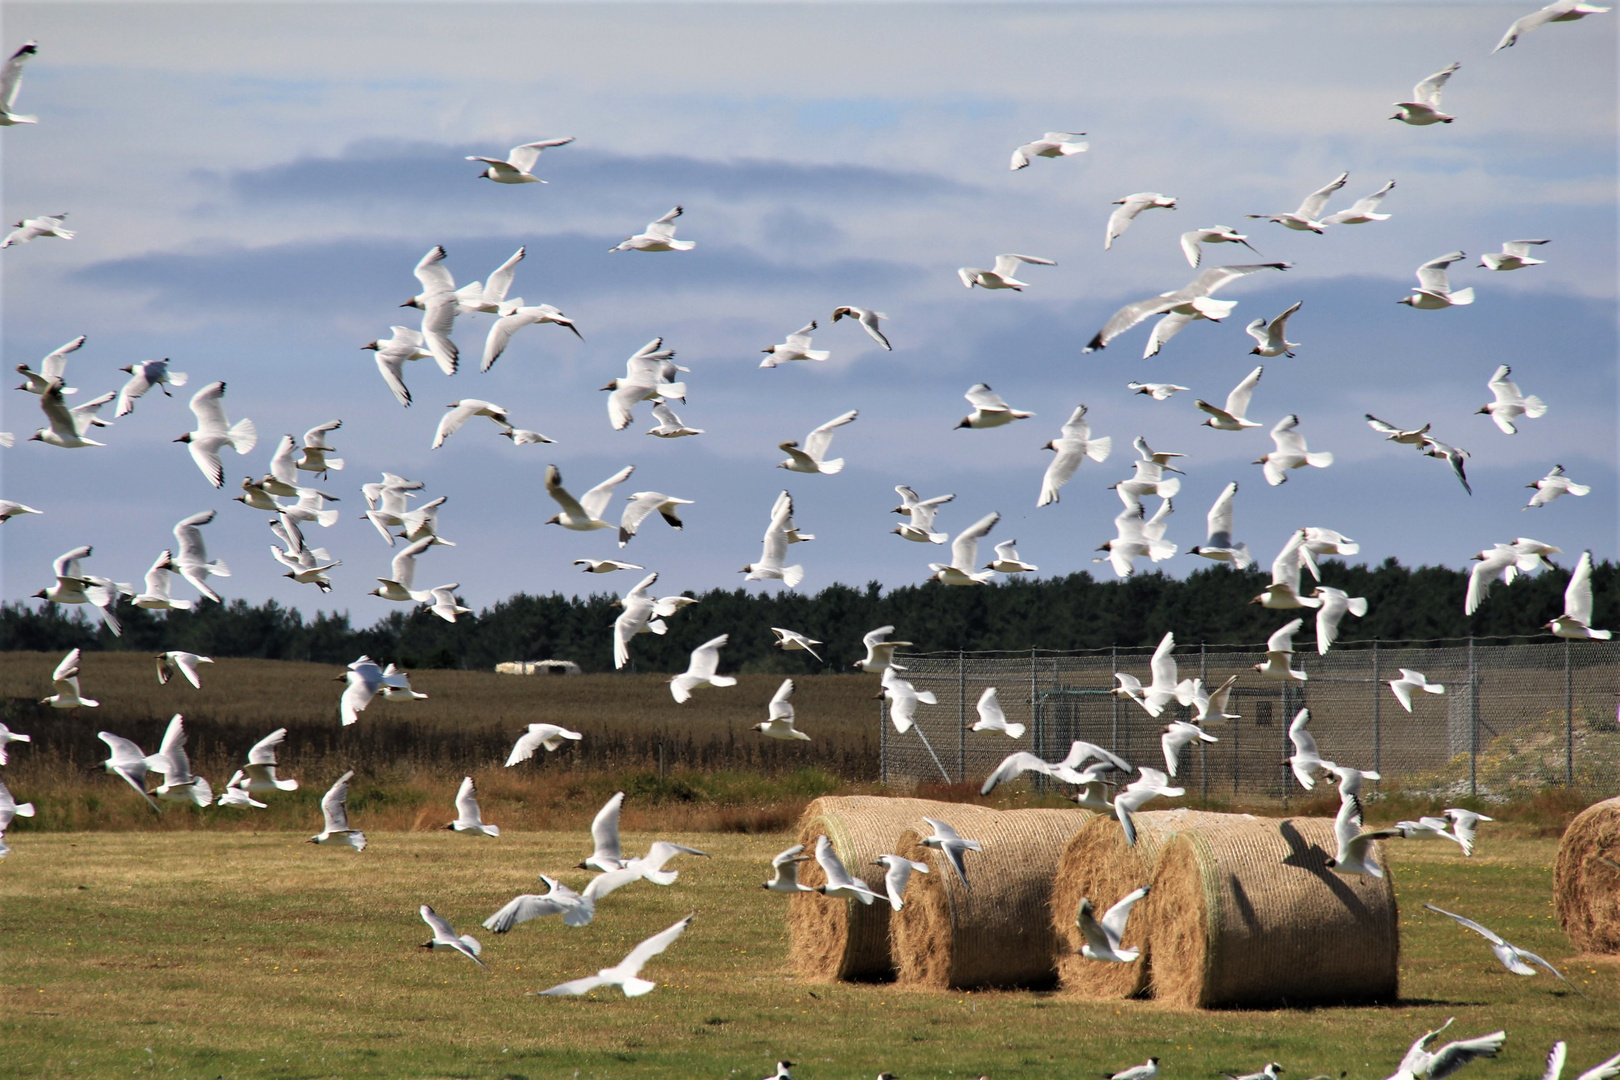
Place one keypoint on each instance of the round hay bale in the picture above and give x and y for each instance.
(1247, 913)
(998, 932)
(1097, 863)
(1586, 889)
(843, 939)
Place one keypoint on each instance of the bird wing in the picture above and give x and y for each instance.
(1237, 402)
(1220, 518)
(706, 657)
(1011, 766)
(54, 366)
(1453, 1056)
(664, 226)
(782, 696)
(523, 908)
(817, 442)
(391, 367)
(334, 804)
(569, 504)
(1427, 93)
(1007, 265)
(1363, 206)
(11, 75)
(1605, 1071)
(188, 534)
(264, 751)
(1283, 640)
(1304, 742)
(1059, 470)
(1113, 923)
(467, 803)
(1076, 427)
(965, 548)
(638, 957)
(1288, 440)
(57, 414)
(1163, 665)
(605, 828)
(574, 986)
(831, 865)
(442, 930)
(433, 275)
(403, 566)
(1312, 206)
(1277, 332)
(1217, 277)
(451, 421)
(1432, 274)
(595, 501)
(1489, 935)
(1578, 596)
(208, 405)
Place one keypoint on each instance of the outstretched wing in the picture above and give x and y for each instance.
(817, 442)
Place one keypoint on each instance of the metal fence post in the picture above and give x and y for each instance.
(1034, 720)
(961, 716)
(1377, 740)
(1203, 756)
(1569, 720)
(883, 746)
(1473, 721)
(1113, 658)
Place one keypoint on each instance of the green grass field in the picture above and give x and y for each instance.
(241, 954)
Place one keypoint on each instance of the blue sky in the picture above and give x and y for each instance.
(252, 185)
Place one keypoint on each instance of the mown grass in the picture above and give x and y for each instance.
(249, 955)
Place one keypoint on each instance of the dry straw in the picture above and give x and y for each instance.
(997, 933)
(1099, 865)
(1246, 912)
(844, 939)
(1586, 888)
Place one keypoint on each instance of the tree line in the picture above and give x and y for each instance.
(1061, 613)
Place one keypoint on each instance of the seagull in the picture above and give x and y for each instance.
(920, 529)
(10, 509)
(1019, 762)
(1213, 706)
(1424, 108)
(1147, 478)
(1233, 417)
(1354, 854)
(701, 671)
(811, 458)
(1138, 536)
(660, 236)
(1405, 436)
(1501, 561)
(778, 535)
(1560, 11)
(65, 681)
(1419, 1064)
(642, 505)
(401, 586)
(1054, 144)
(179, 784)
(1157, 391)
(1512, 957)
(10, 82)
(1334, 604)
(156, 595)
(946, 840)
(1271, 338)
(335, 809)
(406, 344)
(993, 718)
(1451, 455)
(1515, 255)
(868, 319)
(1268, 1072)
(445, 937)
(66, 427)
(1305, 218)
(1510, 403)
(1215, 234)
(792, 640)
(514, 168)
(989, 410)
(606, 854)
(1553, 485)
(1073, 446)
(1413, 680)
(1190, 300)
(1136, 1072)
(797, 347)
(903, 698)
(1007, 560)
(625, 974)
(1426, 828)
(8, 736)
(10, 810)
(605, 566)
(1164, 686)
(641, 615)
(965, 556)
(1103, 937)
(44, 225)
(74, 586)
(464, 410)
(442, 602)
(577, 909)
(1350, 780)
(880, 651)
(1320, 541)
(1279, 663)
(779, 722)
(1219, 546)
(1150, 784)
(126, 761)
(440, 306)
(1129, 207)
(669, 425)
(897, 874)
(839, 880)
(183, 662)
(54, 366)
(1002, 276)
(144, 376)
(1463, 824)
(1576, 621)
(550, 736)
(1290, 452)
(310, 565)
(313, 454)
(260, 772)
(1363, 211)
(214, 432)
(646, 378)
(1177, 734)
(1434, 288)
(514, 319)
(364, 679)
(396, 684)
(469, 818)
(1555, 1063)
(585, 513)
(192, 562)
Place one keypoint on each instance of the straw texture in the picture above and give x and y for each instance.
(831, 939)
(998, 932)
(1247, 913)
(1586, 890)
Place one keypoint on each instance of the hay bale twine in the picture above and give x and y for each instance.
(998, 932)
(1586, 890)
(1097, 863)
(843, 939)
(1246, 912)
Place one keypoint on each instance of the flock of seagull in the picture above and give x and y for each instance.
(287, 491)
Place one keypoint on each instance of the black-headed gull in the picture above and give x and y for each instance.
(1355, 855)
(605, 566)
(1007, 560)
(259, 774)
(1191, 299)
(989, 410)
(144, 376)
(993, 718)
(585, 513)
(1219, 545)
(920, 529)
(1513, 958)
(514, 319)
(335, 812)
(903, 698)
(1515, 255)
(669, 425)
(1306, 759)
(1138, 536)
(170, 761)
(1104, 936)
(1413, 680)
(1279, 662)
(796, 347)
(1463, 825)
(626, 973)
(1576, 621)
(1159, 391)
(576, 908)
(155, 597)
(514, 168)
(880, 651)
(464, 410)
(659, 236)
(1434, 290)
(1350, 780)
(168, 663)
(1150, 784)
(1164, 687)
(792, 640)
(1271, 339)
(840, 882)
(65, 683)
(1215, 234)
(54, 366)
(440, 305)
(445, 937)
(1559, 11)
(606, 854)
(406, 344)
(10, 809)
(66, 427)
(897, 873)
(1424, 108)
(1290, 452)
(1454, 456)
(1336, 603)
(642, 505)
(74, 586)
(811, 458)
(126, 761)
(1176, 735)
(1509, 402)
(8, 736)
(364, 678)
(1054, 144)
(963, 567)
(549, 736)
(1363, 211)
(1129, 207)
(701, 671)
(948, 842)
(643, 614)
(315, 453)
(469, 818)
(10, 509)
(1212, 705)
(1554, 485)
(1234, 416)
(1305, 219)
(1002, 276)
(1420, 1064)
(868, 319)
(192, 562)
(400, 586)
(1067, 770)
(215, 432)
(779, 534)
(1404, 436)
(1268, 1071)
(1072, 447)
(1148, 1071)
(779, 721)
(11, 82)
(45, 225)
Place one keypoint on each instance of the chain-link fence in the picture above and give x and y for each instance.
(1513, 718)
